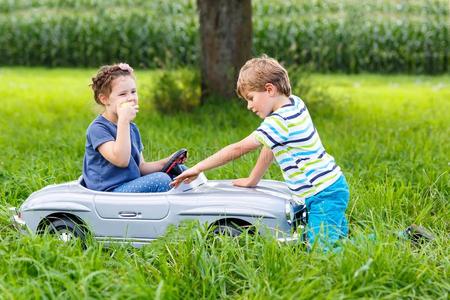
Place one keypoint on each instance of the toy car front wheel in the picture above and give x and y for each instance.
(66, 229)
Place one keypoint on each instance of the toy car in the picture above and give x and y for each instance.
(70, 210)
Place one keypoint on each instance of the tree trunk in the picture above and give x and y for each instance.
(226, 44)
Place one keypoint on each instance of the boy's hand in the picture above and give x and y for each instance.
(187, 176)
(127, 110)
(245, 182)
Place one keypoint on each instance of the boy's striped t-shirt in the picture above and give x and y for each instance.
(290, 133)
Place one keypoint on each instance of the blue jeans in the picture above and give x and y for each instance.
(326, 214)
(157, 182)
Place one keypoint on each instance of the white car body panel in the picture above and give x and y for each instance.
(142, 217)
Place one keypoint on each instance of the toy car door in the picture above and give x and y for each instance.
(131, 215)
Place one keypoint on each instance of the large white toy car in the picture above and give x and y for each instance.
(71, 210)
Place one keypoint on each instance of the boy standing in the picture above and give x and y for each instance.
(288, 135)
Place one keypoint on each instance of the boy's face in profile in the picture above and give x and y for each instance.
(261, 103)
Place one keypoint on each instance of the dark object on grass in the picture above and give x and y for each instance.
(418, 234)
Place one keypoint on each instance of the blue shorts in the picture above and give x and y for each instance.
(326, 214)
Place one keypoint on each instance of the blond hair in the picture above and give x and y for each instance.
(257, 72)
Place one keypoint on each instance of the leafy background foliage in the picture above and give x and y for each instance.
(348, 36)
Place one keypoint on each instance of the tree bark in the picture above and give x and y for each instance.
(226, 44)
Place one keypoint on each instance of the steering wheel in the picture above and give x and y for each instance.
(172, 165)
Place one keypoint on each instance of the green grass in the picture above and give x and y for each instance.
(390, 134)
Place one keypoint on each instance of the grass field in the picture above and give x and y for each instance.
(390, 134)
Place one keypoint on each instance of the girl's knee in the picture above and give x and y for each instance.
(157, 176)
(163, 181)
(164, 177)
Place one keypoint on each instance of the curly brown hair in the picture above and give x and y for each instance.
(101, 83)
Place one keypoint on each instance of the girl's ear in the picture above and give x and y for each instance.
(103, 99)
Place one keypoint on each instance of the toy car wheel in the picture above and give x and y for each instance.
(66, 229)
(66, 235)
(227, 229)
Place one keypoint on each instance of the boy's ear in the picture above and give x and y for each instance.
(270, 88)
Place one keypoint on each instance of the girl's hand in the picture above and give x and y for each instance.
(187, 176)
(245, 182)
(127, 110)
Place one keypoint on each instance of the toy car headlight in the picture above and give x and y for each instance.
(289, 210)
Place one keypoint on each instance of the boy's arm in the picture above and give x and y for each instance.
(261, 166)
(219, 158)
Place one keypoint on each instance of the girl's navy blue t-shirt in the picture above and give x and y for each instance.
(98, 173)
